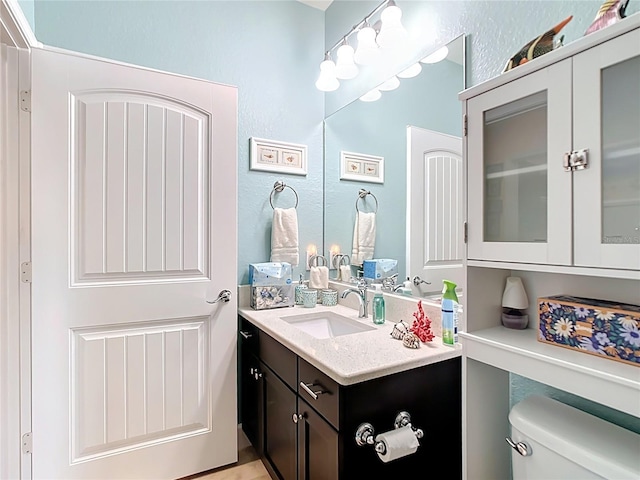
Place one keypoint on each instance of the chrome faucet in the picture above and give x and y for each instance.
(361, 292)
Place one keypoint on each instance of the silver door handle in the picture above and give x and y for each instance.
(224, 296)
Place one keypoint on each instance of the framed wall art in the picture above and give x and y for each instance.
(361, 167)
(279, 157)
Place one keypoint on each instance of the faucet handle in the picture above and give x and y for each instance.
(362, 283)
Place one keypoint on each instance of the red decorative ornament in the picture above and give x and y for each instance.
(422, 325)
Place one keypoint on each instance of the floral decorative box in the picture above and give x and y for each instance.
(598, 327)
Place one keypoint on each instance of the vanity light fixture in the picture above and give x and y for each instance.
(390, 84)
(327, 81)
(413, 71)
(345, 65)
(392, 34)
(387, 33)
(436, 56)
(367, 52)
(371, 95)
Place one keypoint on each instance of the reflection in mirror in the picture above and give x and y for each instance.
(379, 130)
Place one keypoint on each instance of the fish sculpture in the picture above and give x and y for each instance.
(537, 47)
(610, 12)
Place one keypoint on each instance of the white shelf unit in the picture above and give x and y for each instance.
(491, 352)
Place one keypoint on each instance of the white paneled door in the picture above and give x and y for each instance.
(134, 230)
(435, 217)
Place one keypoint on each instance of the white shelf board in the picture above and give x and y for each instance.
(608, 382)
(567, 270)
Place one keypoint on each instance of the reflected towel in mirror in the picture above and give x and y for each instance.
(364, 237)
(345, 273)
(319, 277)
(284, 236)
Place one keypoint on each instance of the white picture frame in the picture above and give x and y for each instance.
(280, 157)
(361, 167)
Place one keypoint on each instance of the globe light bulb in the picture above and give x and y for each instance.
(327, 81)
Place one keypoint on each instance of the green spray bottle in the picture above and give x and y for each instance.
(449, 313)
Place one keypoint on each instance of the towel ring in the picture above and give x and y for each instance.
(279, 186)
(341, 259)
(362, 194)
(313, 261)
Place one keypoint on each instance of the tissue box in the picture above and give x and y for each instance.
(274, 296)
(598, 327)
(377, 269)
(271, 285)
(267, 274)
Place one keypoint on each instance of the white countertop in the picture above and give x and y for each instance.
(354, 358)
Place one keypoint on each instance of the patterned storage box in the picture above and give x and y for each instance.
(598, 327)
(271, 285)
(272, 296)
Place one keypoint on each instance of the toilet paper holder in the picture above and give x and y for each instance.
(365, 433)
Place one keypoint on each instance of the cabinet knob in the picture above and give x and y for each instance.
(257, 374)
(296, 417)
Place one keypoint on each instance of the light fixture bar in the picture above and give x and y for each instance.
(360, 24)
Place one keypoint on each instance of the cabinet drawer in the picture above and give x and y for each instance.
(279, 359)
(248, 336)
(319, 391)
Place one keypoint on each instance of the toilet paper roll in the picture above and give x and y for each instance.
(398, 443)
(345, 273)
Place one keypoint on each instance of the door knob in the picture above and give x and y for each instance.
(417, 281)
(224, 296)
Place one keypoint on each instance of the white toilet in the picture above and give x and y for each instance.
(552, 440)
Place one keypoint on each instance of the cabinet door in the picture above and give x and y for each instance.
(252, 400)
(280, 430)
(607, 122)
(519, 197)
(317, 446)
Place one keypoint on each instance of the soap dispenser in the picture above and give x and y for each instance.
(378, 305)
(406, 287)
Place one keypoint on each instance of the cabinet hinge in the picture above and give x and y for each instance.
(25, 272)
(25, 100)
(576, 160)
(27, 445)
(465, 124)
(466, 232)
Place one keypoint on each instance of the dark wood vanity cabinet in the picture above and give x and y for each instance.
(303, 423)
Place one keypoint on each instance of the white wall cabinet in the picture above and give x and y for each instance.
(563, 232)
(523, 205)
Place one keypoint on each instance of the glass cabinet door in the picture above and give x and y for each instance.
(519, 200)
(607, 122)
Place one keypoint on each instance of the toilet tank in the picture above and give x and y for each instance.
(565, 443)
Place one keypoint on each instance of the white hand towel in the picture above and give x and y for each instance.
(345, 273)
(364, 237)
(284, 236)
(319, 277)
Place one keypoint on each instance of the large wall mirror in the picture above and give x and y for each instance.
(422, 109)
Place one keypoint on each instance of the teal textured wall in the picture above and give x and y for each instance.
(28, 8)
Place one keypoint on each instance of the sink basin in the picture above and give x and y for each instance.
(326, 324)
